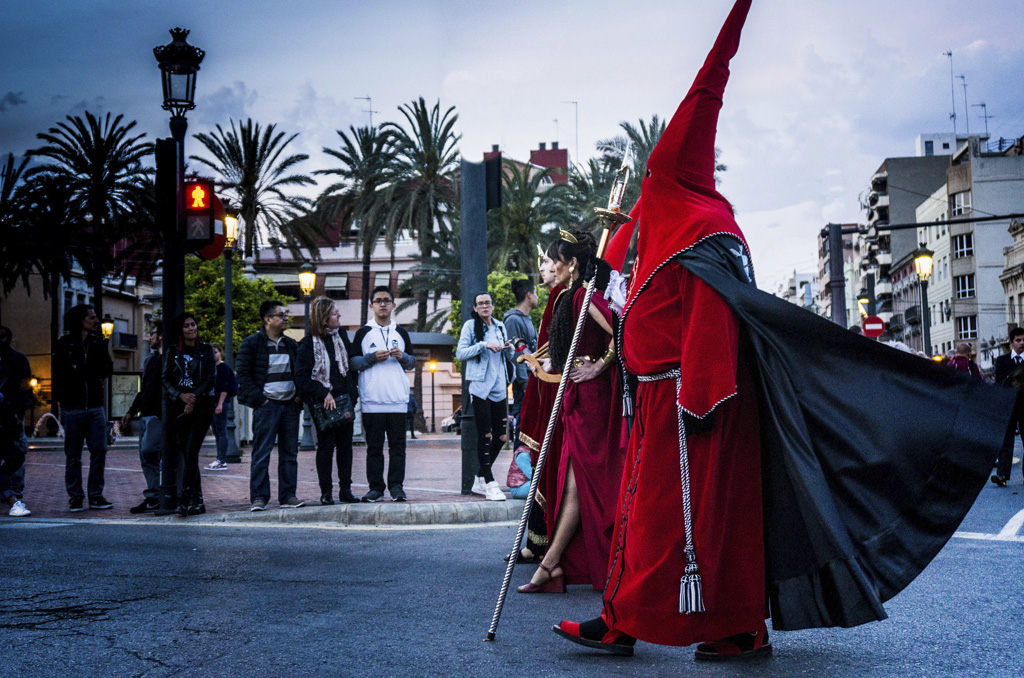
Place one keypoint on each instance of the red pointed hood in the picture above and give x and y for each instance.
(681, 204)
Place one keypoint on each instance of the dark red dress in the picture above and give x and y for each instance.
(594, 437)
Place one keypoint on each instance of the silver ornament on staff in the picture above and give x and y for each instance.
(612, 217)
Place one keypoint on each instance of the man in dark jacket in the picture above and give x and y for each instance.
(266, 383)
(146, 406)
(15, 398)
(81, 365)
(520, 326)
(1006, 374)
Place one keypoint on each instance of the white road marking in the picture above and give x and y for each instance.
(1008, 533)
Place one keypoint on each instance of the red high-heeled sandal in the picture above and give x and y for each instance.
(739, 646)
(552, 585)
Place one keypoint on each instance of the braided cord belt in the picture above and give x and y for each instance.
(691, 599)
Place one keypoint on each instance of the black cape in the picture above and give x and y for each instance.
(871, 456)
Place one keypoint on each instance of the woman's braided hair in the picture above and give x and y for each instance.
(563, 321)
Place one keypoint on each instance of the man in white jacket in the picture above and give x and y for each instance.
(381, 354)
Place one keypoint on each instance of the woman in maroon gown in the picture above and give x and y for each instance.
(582, 509)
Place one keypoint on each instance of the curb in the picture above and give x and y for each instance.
(378, 515)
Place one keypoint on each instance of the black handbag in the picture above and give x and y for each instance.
(326, 419)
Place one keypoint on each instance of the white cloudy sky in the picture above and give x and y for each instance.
(822, 91)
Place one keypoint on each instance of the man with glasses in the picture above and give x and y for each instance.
(266, 383)
(381, 354)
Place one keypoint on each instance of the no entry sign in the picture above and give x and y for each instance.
(873, 326)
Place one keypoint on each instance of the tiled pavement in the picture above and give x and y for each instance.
(433, 472)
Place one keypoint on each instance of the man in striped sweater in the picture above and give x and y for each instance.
(266, 383)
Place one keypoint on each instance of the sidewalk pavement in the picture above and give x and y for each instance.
(433, 474)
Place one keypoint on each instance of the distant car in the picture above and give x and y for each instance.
(453, 422)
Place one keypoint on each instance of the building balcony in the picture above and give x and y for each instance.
(883, 288)
(896, 323)
(913, 315)
(884, 258)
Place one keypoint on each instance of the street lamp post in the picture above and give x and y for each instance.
(923, 266)
(179, 64)
(433, 396)
(230, 238)
(307, 282)
(107, 329)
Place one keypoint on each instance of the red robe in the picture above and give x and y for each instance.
(540, 396)
(595, 439)
(673, 320)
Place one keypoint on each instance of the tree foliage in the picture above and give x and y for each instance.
(531, 206)
(204, 297)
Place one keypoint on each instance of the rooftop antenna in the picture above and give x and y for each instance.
(369, 108)
(952, 93)
(576, 104)
(984, 115)
(967, 117)
(556, 130)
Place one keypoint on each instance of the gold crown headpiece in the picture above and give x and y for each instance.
(568, 237)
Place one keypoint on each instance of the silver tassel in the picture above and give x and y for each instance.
(691, 600)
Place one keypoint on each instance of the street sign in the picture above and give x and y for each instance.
(873, 326)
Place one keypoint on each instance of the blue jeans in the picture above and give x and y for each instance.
(89, 427)
(220, 431)
(276, 421)
(18, 479)
(150, 446)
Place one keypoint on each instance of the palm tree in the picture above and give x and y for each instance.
(589, 190)
(641, 139)
(253, 171)
(424, 190)
(529, 204)
(359, 198)
(101, 164)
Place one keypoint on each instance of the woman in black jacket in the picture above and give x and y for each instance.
(188, 376)
(323, 377)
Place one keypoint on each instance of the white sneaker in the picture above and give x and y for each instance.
(493, 492)
(19, 510)
(479, 487)
(217, 466)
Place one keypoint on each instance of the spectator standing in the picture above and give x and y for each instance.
(81, 366)
(266, 383)
(520, 326)
(410, 415)
(1010, 372)
(225, 387)
(189, 370)
(15, 374)
(381, 354)
(324, 377)
(961, 361)
(147, 406)
(14, 394)
(483, 349)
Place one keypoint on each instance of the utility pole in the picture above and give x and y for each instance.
(984, 115)
(952, 94)
(836, 275)
(576, 105)
(967, 116)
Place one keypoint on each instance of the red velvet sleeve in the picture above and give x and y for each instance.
(709, 347)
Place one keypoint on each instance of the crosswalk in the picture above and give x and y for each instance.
(1008, 533)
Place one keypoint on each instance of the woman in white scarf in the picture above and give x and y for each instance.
(323, 377)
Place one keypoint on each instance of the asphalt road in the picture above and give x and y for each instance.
(106, 599)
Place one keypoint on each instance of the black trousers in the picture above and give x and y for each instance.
(491, 432)
(1004, 463)
(327, 442)
(187, 435)
(376, 425)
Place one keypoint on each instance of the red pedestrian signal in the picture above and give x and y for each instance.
(199, 218)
